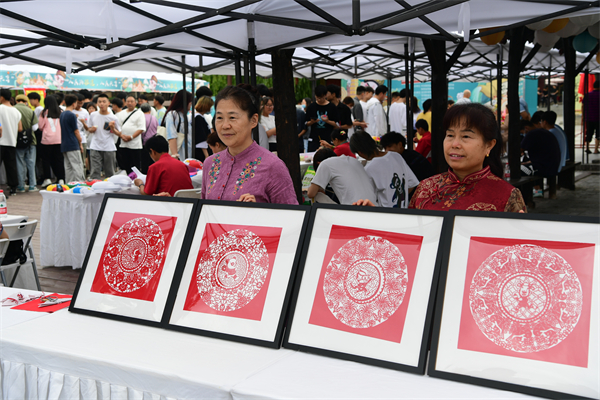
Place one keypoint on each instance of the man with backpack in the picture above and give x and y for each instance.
(26, 145)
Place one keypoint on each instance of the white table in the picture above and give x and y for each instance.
(66, 355)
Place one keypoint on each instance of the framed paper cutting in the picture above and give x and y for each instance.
(237, 280)
(518, 305)
(132, 257)
(365, 290)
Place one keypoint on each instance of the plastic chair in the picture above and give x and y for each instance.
(190, 193)
(23, 231)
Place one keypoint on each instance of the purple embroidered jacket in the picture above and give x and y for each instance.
(255, 170)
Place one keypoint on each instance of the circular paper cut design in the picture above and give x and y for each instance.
(133, 255)
(365, 282)
(232, 270)
(525, 298)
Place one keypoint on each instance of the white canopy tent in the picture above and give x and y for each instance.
(153, 34)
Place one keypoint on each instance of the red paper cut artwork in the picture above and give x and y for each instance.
(364, 282)
(232, 270)
(134, 255)
(526, 299)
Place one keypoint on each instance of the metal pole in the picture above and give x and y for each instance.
(252, 57)
(500, 61)
(246, 70)
(238, 70)
(185, 102)
(409, 98)
(549, 76)
(412, 90)
(583, 130)
(389, 101)
(193, 113)
(313, 81)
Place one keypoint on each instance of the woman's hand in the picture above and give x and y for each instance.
(324, 143)
(247, 198)
(365, 202)
(163, 194)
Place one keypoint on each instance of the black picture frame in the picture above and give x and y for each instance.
(175, 313)
(523, 228)
(353, 353)
(188, 208)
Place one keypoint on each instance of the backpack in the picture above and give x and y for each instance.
(25, 137)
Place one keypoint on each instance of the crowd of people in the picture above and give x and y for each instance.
(81, 136)
(360, 149)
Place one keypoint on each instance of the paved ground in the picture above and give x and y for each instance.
(583, 201)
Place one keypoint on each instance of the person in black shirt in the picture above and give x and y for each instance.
(542, 149)
(322, 117)
(393, 141)
(334, 95)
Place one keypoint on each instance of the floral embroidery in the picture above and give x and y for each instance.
(214, 172)
(247, 173)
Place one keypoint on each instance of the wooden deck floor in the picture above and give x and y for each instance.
(52, 279)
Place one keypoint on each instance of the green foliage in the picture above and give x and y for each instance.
(302, 86)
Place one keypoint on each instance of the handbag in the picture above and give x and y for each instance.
(25, 137)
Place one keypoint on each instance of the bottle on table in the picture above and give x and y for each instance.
(3, 208)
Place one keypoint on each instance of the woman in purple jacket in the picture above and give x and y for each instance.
(244, 171)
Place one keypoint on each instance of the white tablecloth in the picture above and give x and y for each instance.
(72, 356)
(66, 226)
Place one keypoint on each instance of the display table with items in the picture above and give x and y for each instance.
(65, 355)
(68, 217)
(182, 298)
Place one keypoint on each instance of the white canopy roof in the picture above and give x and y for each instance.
(151, 35)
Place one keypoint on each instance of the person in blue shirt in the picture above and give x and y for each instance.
(70, 144)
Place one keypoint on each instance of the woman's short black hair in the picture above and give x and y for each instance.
(363, 142)
(157, 143)
(213, 138)
(339, 134)
(241, 97)
(479, 117)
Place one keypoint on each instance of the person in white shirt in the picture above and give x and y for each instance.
(268, 121)
(393, 178)
(398, 112)
(133, 124)
(103, 152)
(346, 175)
(376, 118)
(10, 119)
(364, 104)
(465, 99)
(83, 120)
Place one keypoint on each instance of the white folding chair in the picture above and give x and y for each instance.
(23, 231)
(190, 193)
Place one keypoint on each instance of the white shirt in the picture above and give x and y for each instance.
(9, 118)
(38, 110)
(84, 115)
(347, 177)
(392, 177)
(103, 138)
(136, 122)
(398, 118)
(376, 118)
(363, 104)
(268, 123)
